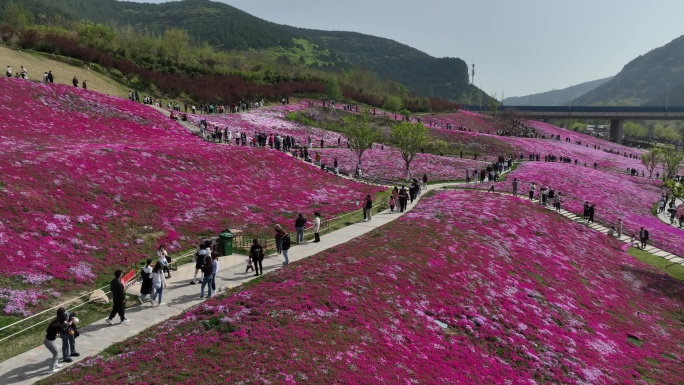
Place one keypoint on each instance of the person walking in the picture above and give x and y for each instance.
(256, 252)
(515, 187)
(286, 248)
(118, 298)
(214, 269)
(368, 208)
(51, 333)
(200, 256)
(591, 213)
(279, 238)
(557, 200)
(207, 270)
(317, 227)
(158, 283)
(403, 197)
(300, 222)
(146, 286)
(165, 260)
(532, 188)
(425, 180)
(619, 228)
(643, 237)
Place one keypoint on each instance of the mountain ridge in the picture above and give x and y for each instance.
(227, 27)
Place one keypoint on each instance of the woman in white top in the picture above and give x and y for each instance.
(317, 226)
(164, 259)
(158, 283)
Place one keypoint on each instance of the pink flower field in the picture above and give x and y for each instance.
(270, 120)
(549, 129)
(582, 153)
(91, 182)
(447, 294)
(388, 164)
(615, 196)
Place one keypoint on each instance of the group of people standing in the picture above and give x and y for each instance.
(65, 326)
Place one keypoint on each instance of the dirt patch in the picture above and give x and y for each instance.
(37, 64)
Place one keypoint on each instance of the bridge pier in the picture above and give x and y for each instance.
(616, 132)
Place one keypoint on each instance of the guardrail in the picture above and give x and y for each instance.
(50, 313)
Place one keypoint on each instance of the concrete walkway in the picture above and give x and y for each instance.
(179, 296)
(603, 229)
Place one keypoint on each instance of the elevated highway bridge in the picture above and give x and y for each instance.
(616, 115)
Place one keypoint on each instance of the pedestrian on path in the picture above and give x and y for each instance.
(146, 286)
(207, 271)
(300, 222)
(532, 188)
(118, 298)
(643, 237)
(403, 197)
(158, 282)
(425, 181)
(367, 207)
(256, 252)
(515, 187)
(681, 220)
(557, 200)
(214, 269)
(279, 238)
(200, 256)
(392, 203)
(286, 248)
(591, 213)
(50, 336)
(165, 260)
(619, 228)
(63, 316)
(317, 227)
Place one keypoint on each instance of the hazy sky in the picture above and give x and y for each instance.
(519, 46)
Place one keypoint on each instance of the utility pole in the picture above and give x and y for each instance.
(472, 82)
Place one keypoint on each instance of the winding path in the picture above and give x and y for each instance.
(33, 365)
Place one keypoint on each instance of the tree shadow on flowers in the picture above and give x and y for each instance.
(657, 282)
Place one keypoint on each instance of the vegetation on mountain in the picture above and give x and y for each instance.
(645, 80)
(227, 29)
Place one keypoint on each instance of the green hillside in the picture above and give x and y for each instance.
(643, 81)
(227, 28)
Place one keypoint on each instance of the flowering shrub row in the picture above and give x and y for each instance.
(466, 288)
(90, 182)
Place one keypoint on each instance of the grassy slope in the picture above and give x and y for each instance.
(38, 64)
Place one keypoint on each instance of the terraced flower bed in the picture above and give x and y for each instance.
(388, 164)
(90, 182)
(615, 196)
(467, 288)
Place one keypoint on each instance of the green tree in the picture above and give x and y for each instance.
(392, 103)
(177, 41)
(667, 134)
(96, 35)
(650, 160)
(333, 90)
(360, 134)
(409, 138)
(671, 160)
(634, 130)
(16, 16)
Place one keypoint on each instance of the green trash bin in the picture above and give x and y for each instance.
(226, 243)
